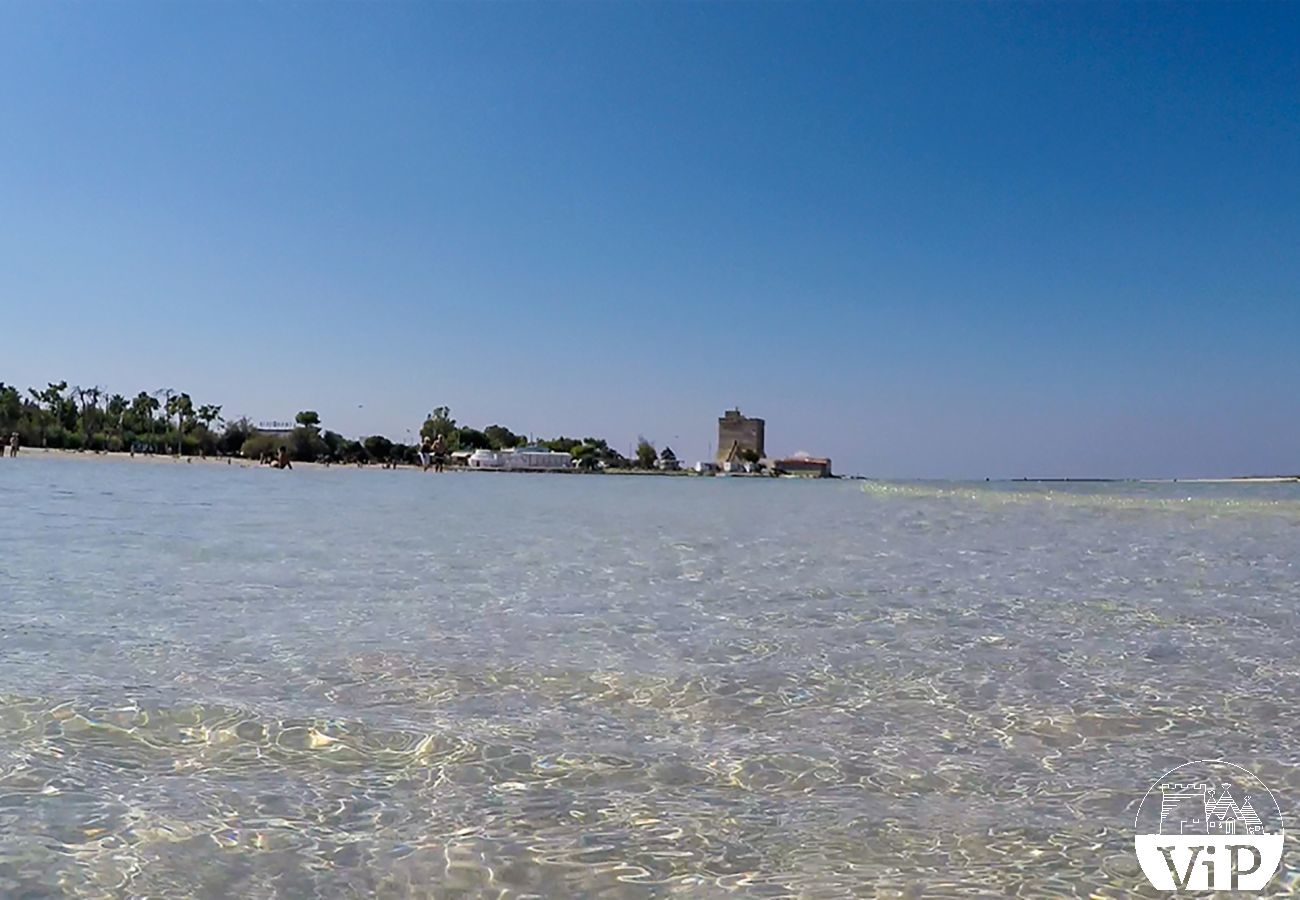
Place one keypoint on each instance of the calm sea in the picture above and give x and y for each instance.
(225, 682)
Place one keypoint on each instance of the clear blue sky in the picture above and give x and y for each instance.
(927, 240)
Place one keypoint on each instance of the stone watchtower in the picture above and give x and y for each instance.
(737, 432)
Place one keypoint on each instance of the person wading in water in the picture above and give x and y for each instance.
(439, 454)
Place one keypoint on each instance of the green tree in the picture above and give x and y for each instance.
(64, 408)
(600, 454)
(140, 413)
(234, 436)
(472, 439)
(88, 414)
(308, 418)
(50, 405)
(182, 407)
(115, 409)
(168, 406)
(562, 444)
(208, 414)
(645, 454)
(141, 410)
(334, 444)
(502, 438)
(441, 424)
(306, 444)
(258, 445)
(114, 420)
(587, 456)
(377, 446)
(11, 408)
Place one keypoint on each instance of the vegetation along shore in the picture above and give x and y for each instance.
(169, 423)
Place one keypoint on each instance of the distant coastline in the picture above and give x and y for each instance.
(161, 459)
(1221, 479)
(1232, 479)
(168, 423)
(239, 462)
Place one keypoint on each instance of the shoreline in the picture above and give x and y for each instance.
(1231, 479)
(160, 459)
(234, 461)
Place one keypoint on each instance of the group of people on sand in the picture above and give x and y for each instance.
(433, 453)
(279, 460)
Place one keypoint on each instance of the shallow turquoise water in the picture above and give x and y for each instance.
(220, 682)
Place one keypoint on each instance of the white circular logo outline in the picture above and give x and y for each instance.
(1277, 806)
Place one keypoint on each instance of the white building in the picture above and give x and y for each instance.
(521, 459)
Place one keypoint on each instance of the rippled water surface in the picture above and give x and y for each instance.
(228, 682)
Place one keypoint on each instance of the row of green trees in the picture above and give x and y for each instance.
(589, 452)
(169, 421)
(91, 418)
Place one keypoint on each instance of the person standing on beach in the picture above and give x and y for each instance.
(13, 445)
(283, 462)
(426, 452)
(439, 454)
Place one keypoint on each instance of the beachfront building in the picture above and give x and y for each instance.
(705, 467)
(806, 466)
(738, 433)
(275, 426)
(521, 459)
(485, 459)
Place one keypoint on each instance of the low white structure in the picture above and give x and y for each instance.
(704, 467)
(521, 459)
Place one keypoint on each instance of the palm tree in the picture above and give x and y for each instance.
(182, 407)
(115, 409)
(11, 408)
(88, 399)
(143, 408)
(208, 414)
(49, 402)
